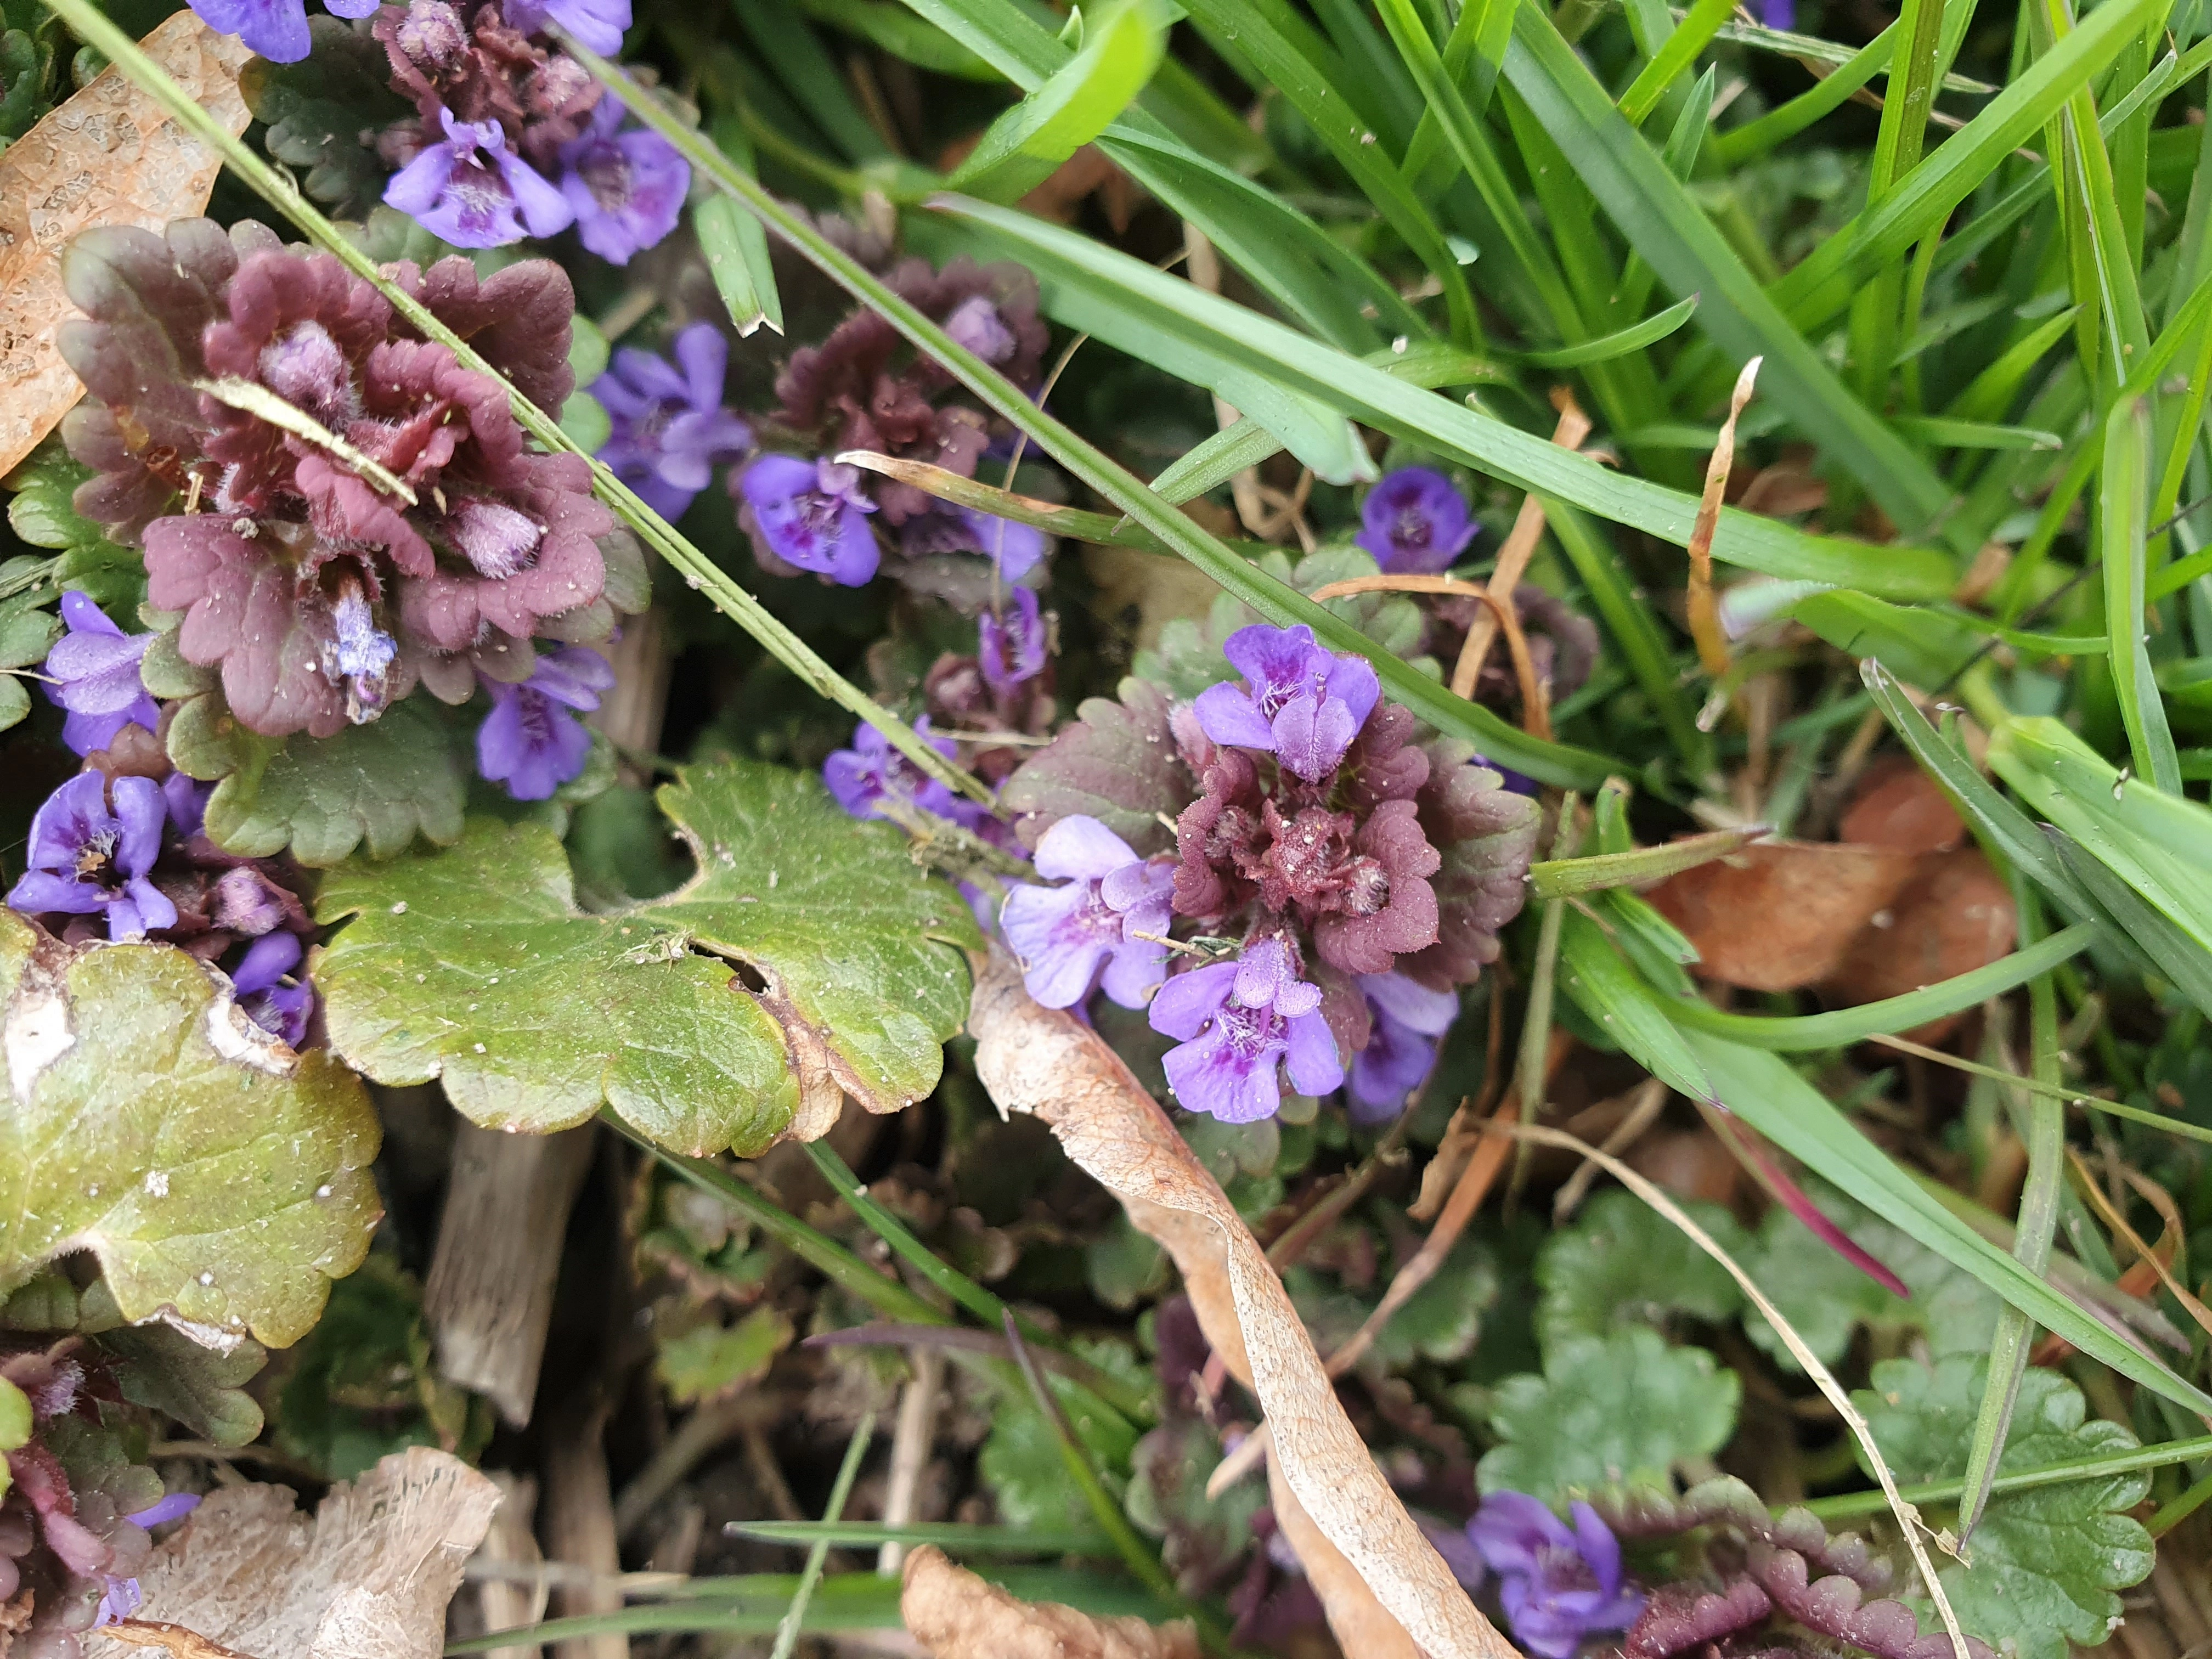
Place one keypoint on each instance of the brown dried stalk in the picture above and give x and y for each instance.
(1704, 604)
(1520, 547)
(1535, 704)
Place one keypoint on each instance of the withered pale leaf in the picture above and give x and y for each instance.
(1044, 1062)
(956, 1615)
(367, 1576)
(107, 156)
(1782, 915)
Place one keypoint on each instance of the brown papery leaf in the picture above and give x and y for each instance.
(107, 156)
(1782, 915)
(956, 1615)
(1898, 806)
(368, 1577)
(1044, 1062)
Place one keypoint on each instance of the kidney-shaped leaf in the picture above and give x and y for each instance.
(474, 965)
(221, 1180)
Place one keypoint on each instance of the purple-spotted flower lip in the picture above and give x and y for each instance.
(1408, 1021)
(668, 424)
(474, 192)
(812, 515)
(1234, 1022)
(532, 741)
(275, 29)
(84, 858)
(95, 677)
(626, 189)
(1065, 936)
(1415, 522)
(1558, 1586)
(1298, 702)
(1010, 649)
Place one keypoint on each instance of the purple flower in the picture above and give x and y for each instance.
(861, 777)
(95, 676)
(1011, 649)
(122, 1597)
(626, 188)
(1302, 703)
(670, 427)
(279, 1008)
(597, 24)
(1234, 1021)
(84, 858)
(1557, 1586)
(1014, 547)
(359, 654)
(1408, 1019)
(1778, 14)
(175, 1507)
(531, 741)
(812, 515)
(1416, 522)
(1513, 782)
(1065, 935)
(186, 801)
(473, 192)
(277, 29)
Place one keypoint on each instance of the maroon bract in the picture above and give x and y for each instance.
(338, 508)
(467, 58)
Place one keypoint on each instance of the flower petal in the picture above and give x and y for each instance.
(1078, 846)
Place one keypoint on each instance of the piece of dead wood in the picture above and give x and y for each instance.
(490, 1299)
(1043, 1061)
(956, 1615)
(580, 1526)
(106, 157)
(368, 1575)
(511, 1603)
(170, 1638)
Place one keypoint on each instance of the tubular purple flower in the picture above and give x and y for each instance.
(861, 777)
(1415, 522)
(279, 1008)
(668, 427)
(1065, 936)
(84, 858)
(627, 189)
(1302, 704)
(1234, 1022)
(95, 676)
(597, 24)
(812, 515)
(360, 655)
(532, 741)
(1558, 1588)
(474, 192)
(1409, 1019)
(276, 29)
(1011, 649)
(1778, 14)
(976, 324)
(1015, 548)
(175, 1507)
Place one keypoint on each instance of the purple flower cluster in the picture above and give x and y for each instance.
(93, 673)
(1110, 916)
(90, 857)
(670, 427)
(532, 741)
(1234, 1022)
(1300, 703)
(1558, 1586)
(1415, 522)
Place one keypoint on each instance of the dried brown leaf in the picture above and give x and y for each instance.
(1954, 916)
(107, 156)
(1044, 1062)
(1782, 915)
(956, 1615)
(368, 1577)
(1899, 806)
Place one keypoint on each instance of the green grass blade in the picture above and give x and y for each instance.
(1122, 45)
(1635, 337)
(789, 48)
(1755, 138)
(737, 247)
(950, 1535)
(1350, 139)
(1628, 617)
(1946, 432)
(2125, 517)
(1841, 1027)
(1846, 1506)
(1374, 398)
(1666, 226)
(903, 36)
(1991, 393)
(1691, 36)
(1550, 878)
(788, 1630)
(2164, 949)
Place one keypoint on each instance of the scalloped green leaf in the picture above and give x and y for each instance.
(475, 966)
(381, 784)
(320, 110)
(2048, 1563)
(221, 1180)
(1622, 1408)
(1624, 1263)
(43, 514)
(1826, 1298)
